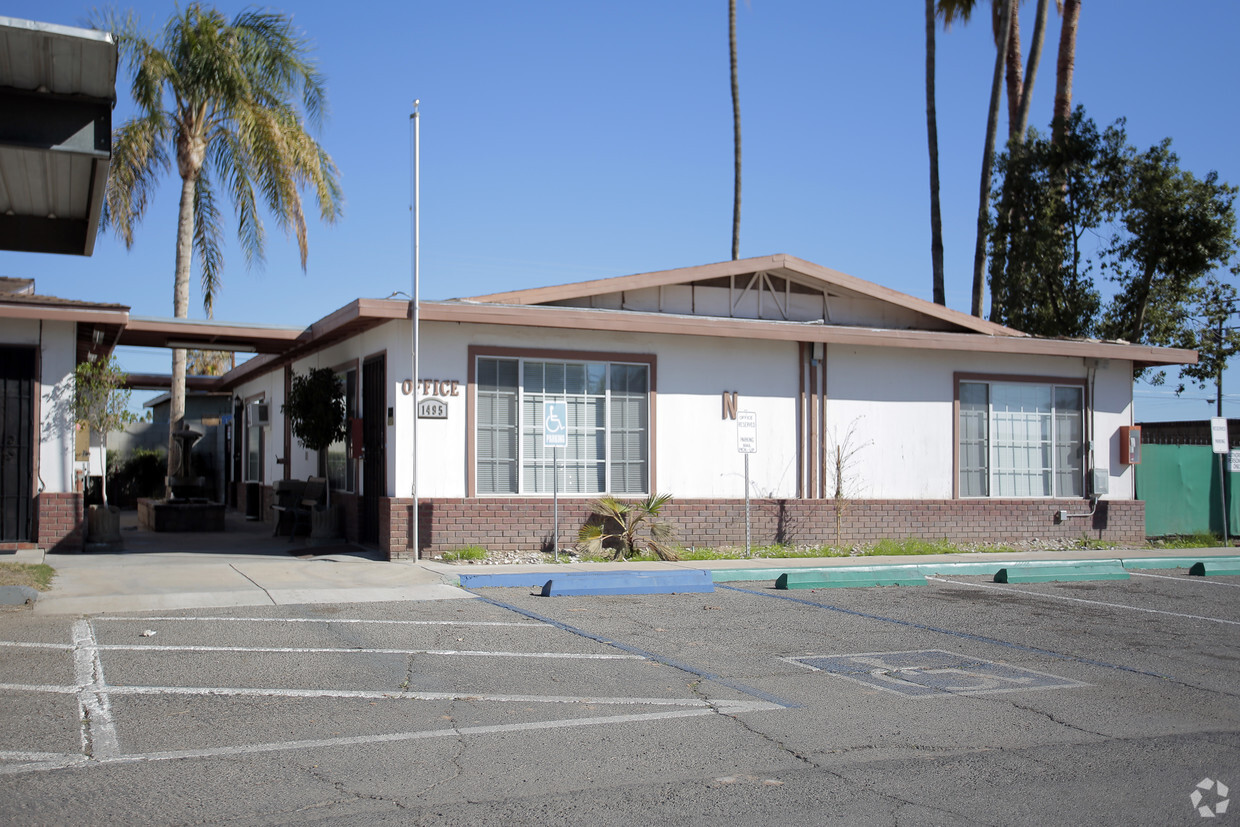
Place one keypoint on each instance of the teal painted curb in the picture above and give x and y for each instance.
(846, 577)
(1212, 568)
(1180, 562)
(627, 582)
(1079, 571)
(987, 568)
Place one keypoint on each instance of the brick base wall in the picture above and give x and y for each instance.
(59, 521)
(522, 524)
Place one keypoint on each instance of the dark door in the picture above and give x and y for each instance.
(374, 445)
(17, 369)
(235, 435)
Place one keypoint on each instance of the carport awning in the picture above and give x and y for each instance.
(57, 90)
(147, 331)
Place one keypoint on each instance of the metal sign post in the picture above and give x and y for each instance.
(747, 443)
(1219, 439)
(555, 437)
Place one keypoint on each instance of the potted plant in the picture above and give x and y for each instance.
(316, 416)
(101, 405)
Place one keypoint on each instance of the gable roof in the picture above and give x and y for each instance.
(751, 273)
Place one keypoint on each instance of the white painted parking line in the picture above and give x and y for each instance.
(332, 620)
(98, 729)
(21, 644)
(730, 708)
(365, 694)
(313, 650)
(1193, 580)
(1045, 596)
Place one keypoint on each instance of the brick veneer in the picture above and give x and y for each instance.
(522, 524)
(59, 521)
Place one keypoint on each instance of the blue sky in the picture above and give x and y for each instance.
(569, 140)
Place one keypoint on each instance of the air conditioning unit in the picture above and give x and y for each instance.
(260, 413)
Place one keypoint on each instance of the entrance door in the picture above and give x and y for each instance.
(17, 373)
(374, 445)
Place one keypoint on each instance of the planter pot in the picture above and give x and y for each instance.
(103, 525)
(325, 524)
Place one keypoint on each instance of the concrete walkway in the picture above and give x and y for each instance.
(246, 566)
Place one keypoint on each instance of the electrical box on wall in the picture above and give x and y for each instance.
(1102, 480)
(1130, 444)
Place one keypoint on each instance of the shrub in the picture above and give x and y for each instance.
(617, 526)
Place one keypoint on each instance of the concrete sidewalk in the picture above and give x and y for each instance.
(246, 566)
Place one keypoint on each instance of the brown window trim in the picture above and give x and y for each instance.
(475, 352)
(1005, 378)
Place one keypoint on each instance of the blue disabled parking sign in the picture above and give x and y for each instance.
(555, 424)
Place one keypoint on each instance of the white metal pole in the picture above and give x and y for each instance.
(413, 312)
(748, 552)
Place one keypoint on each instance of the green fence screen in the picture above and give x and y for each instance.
(1180, 486)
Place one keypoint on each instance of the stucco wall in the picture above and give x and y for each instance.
(898, 404)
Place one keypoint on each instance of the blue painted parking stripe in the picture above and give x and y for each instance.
(624, 647)
(953, 633)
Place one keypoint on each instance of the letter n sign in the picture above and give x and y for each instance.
(729, 404)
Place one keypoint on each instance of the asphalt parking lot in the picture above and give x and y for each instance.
(960, 702)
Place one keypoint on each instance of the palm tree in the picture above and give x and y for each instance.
(219, 97)
(932, 137)
(736, 135)
(1064, 69)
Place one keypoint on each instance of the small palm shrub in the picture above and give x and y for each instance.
(618, 527)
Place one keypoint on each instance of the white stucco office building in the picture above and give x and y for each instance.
(956, 427)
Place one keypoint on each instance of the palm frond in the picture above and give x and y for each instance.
(208, 240)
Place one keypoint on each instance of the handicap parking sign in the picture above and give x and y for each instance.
(555, 424)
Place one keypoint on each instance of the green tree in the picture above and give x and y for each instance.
(1207, 332)
(1172, 229)
(231, 103)
(1049, 198)
(315, 408)
(101, 404)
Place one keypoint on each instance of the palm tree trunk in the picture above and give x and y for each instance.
(1015, 81)
(1064, 69)
(180, 309)
(736, 134)
(988, 154)
(932, 137)
(1031, 72)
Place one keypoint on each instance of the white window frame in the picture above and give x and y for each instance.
(524, 428)
(993, 466)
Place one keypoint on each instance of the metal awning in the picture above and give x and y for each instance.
(57, 91)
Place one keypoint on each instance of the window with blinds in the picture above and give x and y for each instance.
(1021, 439)
(608, 448)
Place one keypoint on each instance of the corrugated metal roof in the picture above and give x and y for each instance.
(57, 90)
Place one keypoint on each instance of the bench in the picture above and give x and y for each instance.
(295, 500)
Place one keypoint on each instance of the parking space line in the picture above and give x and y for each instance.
(675, 664)
(21, 644)
(328, 620)
(327, 650)
(322, 743)
(1084, 600)
(1193, 580)
(364, 694)
(98, 729)
(951, 632)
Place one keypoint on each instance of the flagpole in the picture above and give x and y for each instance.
(414, 312)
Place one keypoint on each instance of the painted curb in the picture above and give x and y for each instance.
(1175, 562)
(847, 578)
(1213, 568)
(639, 582)
(1076, 572)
